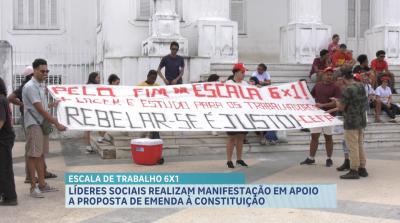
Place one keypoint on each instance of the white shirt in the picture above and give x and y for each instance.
(383, 93)
(369, 89)
(262, 77)
(233, 82)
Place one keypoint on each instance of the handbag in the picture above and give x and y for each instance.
(47, 127)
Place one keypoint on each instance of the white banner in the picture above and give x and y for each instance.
(188, 107)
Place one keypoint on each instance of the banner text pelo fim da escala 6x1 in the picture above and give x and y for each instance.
(189, 107)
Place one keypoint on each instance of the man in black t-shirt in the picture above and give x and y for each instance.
(364, 70)
(174, 66)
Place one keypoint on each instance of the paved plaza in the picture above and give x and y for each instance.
(372, 199)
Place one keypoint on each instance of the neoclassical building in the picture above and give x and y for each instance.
(127, 37)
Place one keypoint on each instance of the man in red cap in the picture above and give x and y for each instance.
(384, 100)
(323, 92)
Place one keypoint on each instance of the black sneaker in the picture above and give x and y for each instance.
(362, 172)
(329, 162)
(308, 161)
(230, 164)
(352, 174)
(305, 130)
(344, 166)
(241, 162)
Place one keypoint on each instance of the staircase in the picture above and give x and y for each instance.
(192, 143)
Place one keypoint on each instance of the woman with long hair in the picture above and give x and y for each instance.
(113, 79)
(94, 78)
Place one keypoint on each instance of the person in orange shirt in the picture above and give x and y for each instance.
(380, 68)
(343, 58)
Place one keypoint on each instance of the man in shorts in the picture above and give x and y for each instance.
(323, 92)
(35, 112)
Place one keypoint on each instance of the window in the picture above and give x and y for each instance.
(351, 18)
(364, 17)
(358, 18)
(99, 12)
(144, 9)
(237, 13)
(179, 9)
(36, 14)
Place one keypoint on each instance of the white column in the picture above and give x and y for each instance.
(164, 28)
(206, 10)
(165, 7)
(217, 34)
(305, 11)
(214, 10)
(385, 13)
(305, 35)
(384, 33)
(6, 66)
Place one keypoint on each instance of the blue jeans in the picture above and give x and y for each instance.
(345, 148)
(271, 136)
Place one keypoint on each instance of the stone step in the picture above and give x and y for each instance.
(368, 135)
(306, 67)
(271, 67)
(122, 141)
(206, 139)
(282, 76)
(190, 150)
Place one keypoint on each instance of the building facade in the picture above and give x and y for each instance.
(127, 37)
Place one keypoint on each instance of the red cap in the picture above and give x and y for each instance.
(385, 78)
(239, 66)
(329, 69)
(357, 77)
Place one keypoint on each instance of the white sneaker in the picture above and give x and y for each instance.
(100, 140)
(214, 133)
(36, 193)
(272, 142)
(89, 149)
(107, 139)
(47, 188)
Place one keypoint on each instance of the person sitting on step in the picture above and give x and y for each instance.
(384, 101)
(380, 68)
(319, 65)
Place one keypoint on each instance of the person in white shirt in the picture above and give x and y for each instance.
(384, 101)
(369, 91)
(264, 78)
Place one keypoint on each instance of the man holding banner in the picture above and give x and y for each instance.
(323, 92)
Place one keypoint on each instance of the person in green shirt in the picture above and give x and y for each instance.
(352, 104)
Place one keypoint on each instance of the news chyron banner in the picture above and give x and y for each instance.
(189, 190)
(189, 107)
